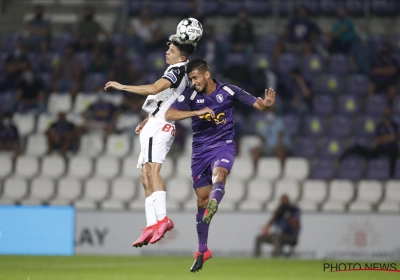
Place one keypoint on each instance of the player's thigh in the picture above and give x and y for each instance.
(222, 164)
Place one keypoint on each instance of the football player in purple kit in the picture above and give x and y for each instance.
(213, 146)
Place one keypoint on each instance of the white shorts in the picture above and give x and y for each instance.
(156, 139)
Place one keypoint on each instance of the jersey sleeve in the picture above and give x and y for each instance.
(241, 95)
(175, 76)
(182, 103)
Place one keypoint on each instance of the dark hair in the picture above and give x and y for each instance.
(197, 64)
(185, 49)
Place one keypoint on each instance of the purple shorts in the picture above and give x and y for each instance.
(203, 164)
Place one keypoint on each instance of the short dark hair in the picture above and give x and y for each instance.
(185, 49)
(197, 64)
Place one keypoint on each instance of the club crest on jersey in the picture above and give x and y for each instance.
(220, 98)
(193, 95)
(181, 98)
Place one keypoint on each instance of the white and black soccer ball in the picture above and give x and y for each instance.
(189, 30)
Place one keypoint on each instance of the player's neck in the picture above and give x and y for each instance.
(212, 86)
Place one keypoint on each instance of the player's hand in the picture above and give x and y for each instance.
(139, 128)
(269, 99)
(205, 111)
(113, 85)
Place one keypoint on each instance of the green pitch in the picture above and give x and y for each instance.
(166, 268)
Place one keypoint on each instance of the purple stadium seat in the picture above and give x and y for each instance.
(137, 61)
(7, 102)
(349, 105)
(313, 64)
(396, 43)
(340, 126)
(323, 169)
(331, 83)
(366, 126)
(323, 105)
(339, 64)
(212, 8)
(351, 168)
(365, 141)
(134, 7)
(292, 124)
(330, 7)
(61, 41)
(267, 43)
(305, 147)
(378, 169)
(84, 58)
(235, 59)
(358, 84)
(312, 5)
(376, 104)
(355, 7)
(397, 170)
(231, 8)
(180, 7)
(46, 79)
(314, 126)
(10, 40)
(385, 7)
(94, 81)
(157, 7)
(258, 8)
(396, 106)
(119, 39)
(332, 148)
(287, 62)
(285, 7)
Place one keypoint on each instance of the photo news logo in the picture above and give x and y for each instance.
(347, 267)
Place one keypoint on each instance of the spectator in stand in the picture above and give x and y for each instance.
(9, 136)
(98, 64)
(242, 34)
(147, 33)
(101, 116)
(67, 76)
(61, 136)
(211, 49)
(89, 31)
(15, 64)
(386, 142)
(275, 141)
(384, 73)
(39, 31)
(299, 34)
(342, 34)
(282, 229)
(30, 94)
(363, 52)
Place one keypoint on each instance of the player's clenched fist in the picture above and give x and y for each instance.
(113, 85)
(205, 111)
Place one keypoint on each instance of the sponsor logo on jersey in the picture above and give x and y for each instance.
(231, 92)
(181, 98)
(225, 160)
(193, 95)
(200, 101)
(220, 98)
(219, 119)
(171, 76)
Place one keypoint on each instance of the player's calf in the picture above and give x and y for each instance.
(211, 209)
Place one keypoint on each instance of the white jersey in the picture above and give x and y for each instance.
(158, 104)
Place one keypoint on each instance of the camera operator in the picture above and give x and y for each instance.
(283, 228)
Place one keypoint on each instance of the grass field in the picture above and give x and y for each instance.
(166, 268)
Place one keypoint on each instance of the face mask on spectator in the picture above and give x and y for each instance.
(101, 38)
(270, 117)
(6, 122)
(100, 96)
(28, 76)
(17, 52)
(364, 37)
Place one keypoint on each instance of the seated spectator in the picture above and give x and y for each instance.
(9, 136)
(299, 34)
(342, 34)
(384, 73)
(386, 142)
(147, 33)
(15, 64)
(101, 116)
(282, 229)
(88, 31)
(242, 34)
(98, 64)
(67, 75)
(275, 141)
(39, 32)
(363, 52)
(211, 49)
(61, 136)
(30, 93)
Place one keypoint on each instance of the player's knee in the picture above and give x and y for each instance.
(202, 202)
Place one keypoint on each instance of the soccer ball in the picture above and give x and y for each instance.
(189, 30)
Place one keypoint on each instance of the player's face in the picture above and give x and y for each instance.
(198, 80)
(173, 55)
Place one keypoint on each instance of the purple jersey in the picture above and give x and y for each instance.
(209, 133)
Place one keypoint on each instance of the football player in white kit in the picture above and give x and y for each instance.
(157, 135)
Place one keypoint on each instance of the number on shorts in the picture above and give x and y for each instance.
(167, 128)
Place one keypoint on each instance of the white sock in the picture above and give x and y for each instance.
(150, 211)
(160, 204)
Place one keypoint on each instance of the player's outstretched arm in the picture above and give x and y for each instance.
(160, 85)
(267, 102)
(177, 115)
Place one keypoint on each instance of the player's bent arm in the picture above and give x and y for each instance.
(177, 115)
(152, 89)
